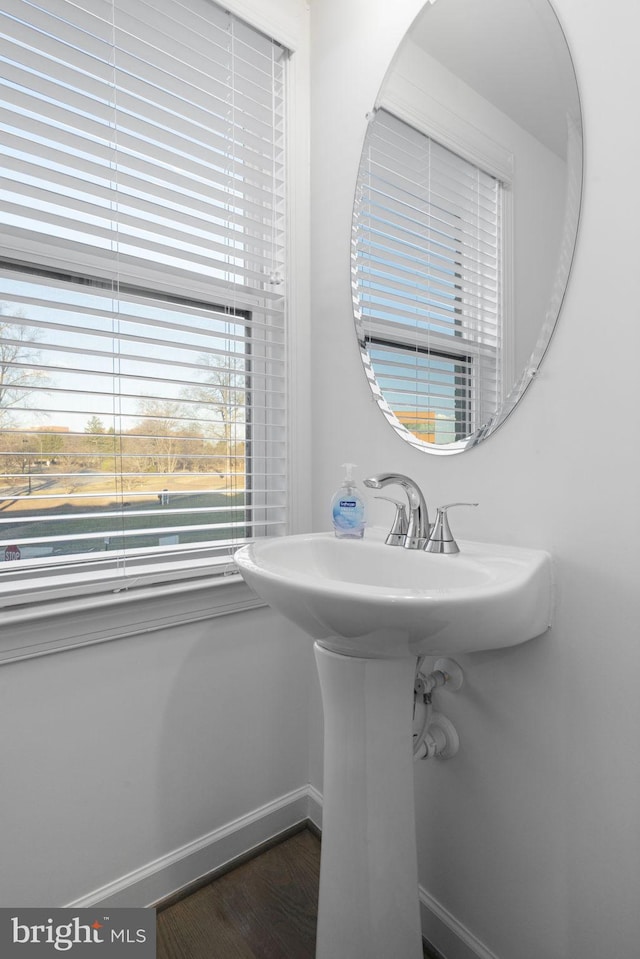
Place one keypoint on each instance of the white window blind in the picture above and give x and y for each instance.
(426, 279)
(142, 313)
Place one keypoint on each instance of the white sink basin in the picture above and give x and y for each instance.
(364, 598)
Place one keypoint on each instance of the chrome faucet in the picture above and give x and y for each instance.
(418, 528)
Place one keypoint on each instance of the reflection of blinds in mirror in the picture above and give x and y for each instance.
(427, 280)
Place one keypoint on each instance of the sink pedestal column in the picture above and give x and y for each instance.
(369, 906)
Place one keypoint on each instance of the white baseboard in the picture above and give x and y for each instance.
(315, 806)
(207, 855)
(443, 931)
(212, 853)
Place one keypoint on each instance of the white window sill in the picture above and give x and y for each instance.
(42, 628)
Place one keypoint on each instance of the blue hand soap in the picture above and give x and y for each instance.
(347, 508)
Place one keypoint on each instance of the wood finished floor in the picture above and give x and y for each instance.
(262, 909)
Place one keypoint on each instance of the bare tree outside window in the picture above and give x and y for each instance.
(223, 394)
(19, 354)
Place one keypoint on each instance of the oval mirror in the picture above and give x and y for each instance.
(465, 217)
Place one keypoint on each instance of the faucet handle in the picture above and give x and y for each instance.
(399, 527)
(441, 539)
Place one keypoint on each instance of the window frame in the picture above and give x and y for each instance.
(289, 28)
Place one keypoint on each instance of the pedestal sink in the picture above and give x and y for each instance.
(373, 610)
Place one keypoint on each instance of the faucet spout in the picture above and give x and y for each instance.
(419, 527)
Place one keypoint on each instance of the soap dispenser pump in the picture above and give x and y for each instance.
(347, 508)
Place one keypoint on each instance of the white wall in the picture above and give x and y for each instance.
(118, 755)
(530, 837)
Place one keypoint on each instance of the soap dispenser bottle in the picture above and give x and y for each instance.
(347, 508)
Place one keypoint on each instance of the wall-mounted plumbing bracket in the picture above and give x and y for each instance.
(437, 736)
(441, 740)
(453, 673)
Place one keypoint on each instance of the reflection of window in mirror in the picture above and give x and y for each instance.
(428, 268)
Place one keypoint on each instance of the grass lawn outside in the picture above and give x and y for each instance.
(56, 524)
